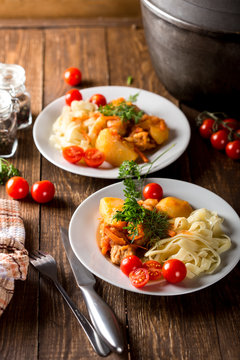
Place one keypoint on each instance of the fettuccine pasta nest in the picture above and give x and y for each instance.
(198, 242)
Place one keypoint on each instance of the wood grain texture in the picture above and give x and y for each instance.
(85, 49)
(49, 23)
(68, 8)
(21, 317)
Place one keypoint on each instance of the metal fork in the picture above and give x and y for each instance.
(46, 265)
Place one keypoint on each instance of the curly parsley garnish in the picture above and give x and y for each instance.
(7, 171)
(126, 112)
(155, 224)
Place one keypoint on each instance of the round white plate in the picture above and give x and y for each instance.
(147, 101)
(83, 229)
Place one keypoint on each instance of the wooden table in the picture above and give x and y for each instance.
(37, 324)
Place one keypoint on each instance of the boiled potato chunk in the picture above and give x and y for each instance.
(174, 207)
(115, 149)
(159, 132)
(108, 207)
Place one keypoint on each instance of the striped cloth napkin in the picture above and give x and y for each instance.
(13, 256)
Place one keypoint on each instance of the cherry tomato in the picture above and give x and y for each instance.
(98, 99)
(71, 95)
(130, 263)
(17, 187)
(153, 191)
(206, 129)
(219, 139)
(72, 76)
(43, 191)
(174, 271)
(232, 123)
(73, 153)
(154, 269)
(237, 134)
(94, 157)
(139, 277)
(233, 149)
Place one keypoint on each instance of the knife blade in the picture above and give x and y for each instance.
(102, 316)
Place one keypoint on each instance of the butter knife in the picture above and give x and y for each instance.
(102, 316)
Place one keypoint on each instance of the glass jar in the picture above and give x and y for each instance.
(12, 79)
(8, 124)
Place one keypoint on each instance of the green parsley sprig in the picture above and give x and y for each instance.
(126, 112)
(155, 224)
(7, 170)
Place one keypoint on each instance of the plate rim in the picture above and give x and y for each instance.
(144, 291)
(105, 174)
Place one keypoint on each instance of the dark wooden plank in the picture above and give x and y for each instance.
(86, 49)
(213, 170)
(19, 323)
(70, 22)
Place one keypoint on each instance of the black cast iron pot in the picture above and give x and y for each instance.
(195, 49)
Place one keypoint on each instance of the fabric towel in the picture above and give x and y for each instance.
(13, 256)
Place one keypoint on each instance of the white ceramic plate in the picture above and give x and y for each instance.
(147, 101)
(83, 228)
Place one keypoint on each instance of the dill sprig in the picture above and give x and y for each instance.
(126, 112)
(155, 224)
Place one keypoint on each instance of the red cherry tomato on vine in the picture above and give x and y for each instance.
(153, 191)
(174, 271)
(43, 191)
(17, 187)
(206, 129)
(130, 263)
(219, 139)
(71, 95)
(139, 277)
(154, 269)
(233, 149)
(237, 134)
(72, 76)
(73, 153)
(232, 123)
(98, 99)
(93, 157)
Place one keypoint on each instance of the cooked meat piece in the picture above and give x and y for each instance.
(149, 204)
(118, 252)
(141, 139)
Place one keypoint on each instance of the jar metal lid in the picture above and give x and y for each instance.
(11, 76)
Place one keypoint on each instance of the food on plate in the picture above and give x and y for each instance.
(94, 157)
(130, 263)
(114, 147)
(118, 129)
(98, 99)
(72, 95)
(171, 238)
(174, 207)
(198, 242)
(174, 271)
(223, 132)
(153, 191)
